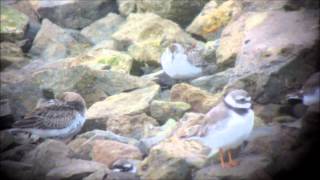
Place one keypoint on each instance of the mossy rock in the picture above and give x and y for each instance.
(13, 24)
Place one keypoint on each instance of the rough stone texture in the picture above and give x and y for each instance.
(106, 151)
(6, 114)
(214, 83)
(213, 18)
(139, 101)
(91, 84)
(250, 168)
(108, 135)
(13, 24)
(268, 66)
(130, 125)
(267, 112)
(6, 140)
(74, 14)
(49, 155)
(126, 7)
(83, 144)
(17, 153)
(200, 100)
(178, 11)
(155, 134)
(21, 170)
(102, 59)
(57, 44)
(146, 36)
(98, 175)
(122, 176)
(103, 28)
(175, 158)
(106, 44)
(11, 54)
(76, 168)
(22, 96)
(164, 110)
(232, 37)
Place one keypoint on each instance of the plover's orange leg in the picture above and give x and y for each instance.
(221, 158)
(231, 163)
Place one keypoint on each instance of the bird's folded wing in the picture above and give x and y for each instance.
(49, 117)
(199, 127)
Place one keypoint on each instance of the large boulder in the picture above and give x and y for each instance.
(23, 88)
(82, 145)
(232, 37)
(213, 18)
(102, 59)
(200, 100)
(146, 35)
(103, 28)
(57, 44)
(175, 158)
(107, 152)
(267, 65)
(178, 11)
(13, 24)
(76, 168)
(47, 156)
(117, 105)
(251, 167)
(93, 85)
(130, 125)
(74, 14)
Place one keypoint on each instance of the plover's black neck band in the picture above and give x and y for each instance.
(240, 111)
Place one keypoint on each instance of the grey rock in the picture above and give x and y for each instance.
(126, 7)
(60, 43)
(13, 24)
(121, 176)
(15, 170)
(181, 12)
(103, 28)
(251, 168)
(77, 169)
(49, 155)
(6, 114)
(108, 135)
(74, 14)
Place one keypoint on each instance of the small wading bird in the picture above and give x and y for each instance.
(182, 63)
(60, 118)
(224, 127)
(310, 92)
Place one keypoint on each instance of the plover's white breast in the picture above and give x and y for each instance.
(69, 130)
(177, 66)
(313, 98)
(229, 132)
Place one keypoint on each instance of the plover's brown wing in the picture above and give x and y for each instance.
(49, 117)
(194, 57)
(198, 127)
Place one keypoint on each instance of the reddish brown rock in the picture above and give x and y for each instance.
(107, 152)
(200, 100)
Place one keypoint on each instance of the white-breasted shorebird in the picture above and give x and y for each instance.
(60, 118)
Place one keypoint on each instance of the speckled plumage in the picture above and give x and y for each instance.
(58, 118)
